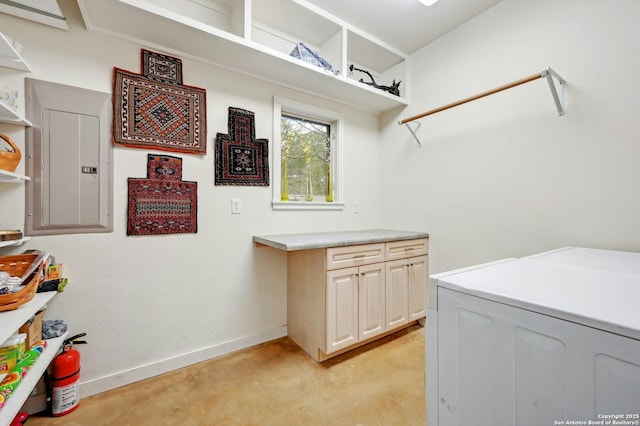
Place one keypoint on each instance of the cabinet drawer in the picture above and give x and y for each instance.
(406, 248)
(344, 257)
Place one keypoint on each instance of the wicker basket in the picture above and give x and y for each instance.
(27, 266)
(9, 160)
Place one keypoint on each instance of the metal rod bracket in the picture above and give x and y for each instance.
(556, 85)
(415, 132)
(557, 90)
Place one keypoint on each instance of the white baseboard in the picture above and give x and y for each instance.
(126, 377)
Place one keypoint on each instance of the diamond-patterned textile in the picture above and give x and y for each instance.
(155, 111)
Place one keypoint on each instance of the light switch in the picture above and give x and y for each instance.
(236, 206)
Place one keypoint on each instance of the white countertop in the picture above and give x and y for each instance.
(291, 242)
(581, 286)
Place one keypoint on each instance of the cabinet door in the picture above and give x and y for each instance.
(417, 287)
(341, 309)
(397, 310)
(371, 312)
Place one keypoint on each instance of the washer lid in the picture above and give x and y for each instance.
(606, 260)
(596, 298)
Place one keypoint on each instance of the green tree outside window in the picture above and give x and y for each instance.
(305, 160)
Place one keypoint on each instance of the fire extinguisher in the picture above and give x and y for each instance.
(65, 377)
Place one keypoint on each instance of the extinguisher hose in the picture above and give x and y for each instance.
(72, 340)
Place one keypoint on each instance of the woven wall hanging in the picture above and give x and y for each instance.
(155, 110)
(241, 159)
(162, 203)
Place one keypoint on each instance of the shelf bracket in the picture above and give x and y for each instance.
(557, 90)
(415, 132)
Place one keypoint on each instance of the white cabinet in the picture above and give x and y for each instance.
(256, 38)
(406, 281)
(342, 309)
(343, 297)
(10, 322)
(355, 309)
(371, 301)
(406, 290)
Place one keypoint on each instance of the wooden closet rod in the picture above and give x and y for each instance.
(524, 80)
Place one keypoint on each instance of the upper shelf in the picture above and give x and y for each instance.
(43, 11)
(10, 116)
(257, 42)
(10, 57)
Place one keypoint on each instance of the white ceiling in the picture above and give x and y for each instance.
(406, 25)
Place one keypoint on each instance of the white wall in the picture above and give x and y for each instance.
(149, 304)
(505, 176)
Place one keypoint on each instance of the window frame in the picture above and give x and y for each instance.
(314, 113)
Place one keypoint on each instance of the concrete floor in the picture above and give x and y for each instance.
(275, 383)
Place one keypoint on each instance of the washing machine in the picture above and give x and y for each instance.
(549, 339)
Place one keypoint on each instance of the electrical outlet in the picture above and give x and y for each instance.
(236, 206)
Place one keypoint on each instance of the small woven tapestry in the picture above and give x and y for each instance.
(156, 111)
(162, 203)
(241, 159)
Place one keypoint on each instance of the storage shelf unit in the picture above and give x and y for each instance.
(10, 322)
(255, 38)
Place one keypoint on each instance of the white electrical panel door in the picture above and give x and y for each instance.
(69, 158)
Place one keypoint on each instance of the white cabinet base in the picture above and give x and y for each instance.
(340, 298)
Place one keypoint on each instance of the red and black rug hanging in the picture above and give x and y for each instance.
(155, 110)
(162, 203)
(241, 159)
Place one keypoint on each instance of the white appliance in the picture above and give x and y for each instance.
(549, 339)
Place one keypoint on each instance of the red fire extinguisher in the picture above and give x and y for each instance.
(65, 378)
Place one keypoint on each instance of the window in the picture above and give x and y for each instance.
(306, 157)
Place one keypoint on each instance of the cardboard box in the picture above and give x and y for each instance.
(37, 401)
(33, 329)
(54, 271)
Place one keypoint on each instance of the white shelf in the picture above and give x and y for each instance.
(22, 392)
(42, 11)
(10, 116)
(265, 54)
(7, 176)
(10, 322)
(9, 243)
(9, 56)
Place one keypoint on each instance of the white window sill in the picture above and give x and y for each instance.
(306, 205)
